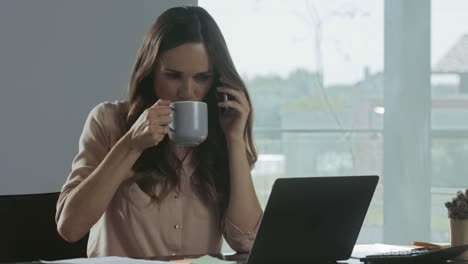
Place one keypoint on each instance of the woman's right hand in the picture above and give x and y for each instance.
(152, 126)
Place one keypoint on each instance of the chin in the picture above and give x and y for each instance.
(182, 100)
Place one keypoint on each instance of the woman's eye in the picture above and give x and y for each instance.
(202, 77)
(173, 75)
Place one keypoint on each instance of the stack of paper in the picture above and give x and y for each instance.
(124, 260)
(105, 260)
(361, 251)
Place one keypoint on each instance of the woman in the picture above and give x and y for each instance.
(139, 194)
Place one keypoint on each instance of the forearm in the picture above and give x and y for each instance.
(244, 208)
(85, 204)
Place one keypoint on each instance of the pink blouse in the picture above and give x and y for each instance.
(132, 225)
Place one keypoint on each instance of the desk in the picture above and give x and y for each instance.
(239, 258)
(242, 259)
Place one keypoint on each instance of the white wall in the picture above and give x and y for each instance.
(58, 59)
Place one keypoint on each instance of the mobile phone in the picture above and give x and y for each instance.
(222, 97)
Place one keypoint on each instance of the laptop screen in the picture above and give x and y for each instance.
(316, 218)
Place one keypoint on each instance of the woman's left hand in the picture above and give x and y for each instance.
(234, 118)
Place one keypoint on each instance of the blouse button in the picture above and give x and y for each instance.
(176, 226)
(173, 254)
(176, 197)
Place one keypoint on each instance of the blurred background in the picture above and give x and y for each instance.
(339, 87)
(359, 87)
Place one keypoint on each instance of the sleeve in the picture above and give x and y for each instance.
(92, 149)
(240, 241)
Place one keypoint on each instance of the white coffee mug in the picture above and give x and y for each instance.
(189, 124)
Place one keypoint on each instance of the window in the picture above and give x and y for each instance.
(315, 72)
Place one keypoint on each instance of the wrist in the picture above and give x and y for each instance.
(127, 143)
(235, 141)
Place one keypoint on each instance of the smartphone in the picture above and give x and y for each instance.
(222, 97)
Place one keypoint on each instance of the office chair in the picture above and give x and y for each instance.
(28, 230)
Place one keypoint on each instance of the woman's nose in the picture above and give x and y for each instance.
(186, 91)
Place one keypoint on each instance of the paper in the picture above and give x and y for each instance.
(105, 260)
(210, 260)
(429, 245)
(361, 251)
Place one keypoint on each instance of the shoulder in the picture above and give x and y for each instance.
(110, 115)
(109, 108)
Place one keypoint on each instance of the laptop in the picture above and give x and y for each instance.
(315, 219)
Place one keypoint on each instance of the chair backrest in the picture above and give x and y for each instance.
(28, 230)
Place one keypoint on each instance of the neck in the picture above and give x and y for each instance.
(182, 152)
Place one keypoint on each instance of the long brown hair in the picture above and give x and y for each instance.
(159, 166)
